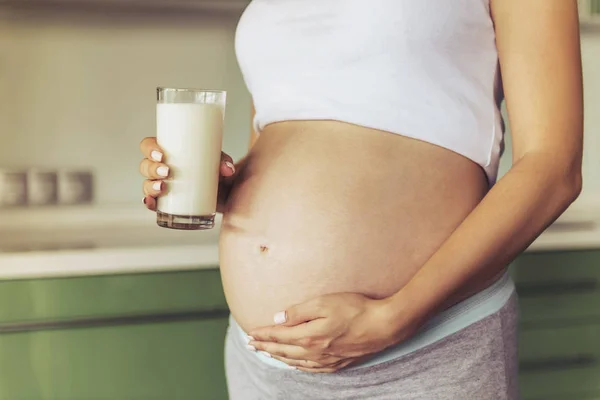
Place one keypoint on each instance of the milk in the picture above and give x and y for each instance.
(191, 137)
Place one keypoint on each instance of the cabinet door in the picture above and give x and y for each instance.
(561, 362)
(558, 287)
(559, 343)
(109, 296)
(176, 360)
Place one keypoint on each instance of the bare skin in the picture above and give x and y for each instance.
(333, 207)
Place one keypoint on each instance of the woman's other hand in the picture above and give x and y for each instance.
(156, 171)
(330, 332)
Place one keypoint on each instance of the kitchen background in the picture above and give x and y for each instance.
(96, 302)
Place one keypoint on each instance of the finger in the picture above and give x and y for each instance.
(281, 350)
(328, 369)
(328, 362)
(153, 188)
(299, 363)
(300, 313)
(149, 202)
(151, 150)
(227, 166)
(153, 170)
(283, 334)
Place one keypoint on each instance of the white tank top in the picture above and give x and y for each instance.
(424, 69)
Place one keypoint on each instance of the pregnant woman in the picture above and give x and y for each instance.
(365, 239)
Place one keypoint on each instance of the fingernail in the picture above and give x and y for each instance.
(230, 165)
(280, 317)
(264, 353)
(163, 171)
(251, 338)
(157, 185)
(156, 155)
(251, 348)
(144, 200)
(290, 367)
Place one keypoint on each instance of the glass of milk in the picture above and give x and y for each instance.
(190, 131)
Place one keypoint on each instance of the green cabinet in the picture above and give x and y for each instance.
(559, 339)
(561, 362)
(67, 298)
(179, 361)
(160, 335)
(146, 336)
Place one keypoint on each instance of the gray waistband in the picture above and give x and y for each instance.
(452, 320)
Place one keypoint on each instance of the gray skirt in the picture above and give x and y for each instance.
(477, 362)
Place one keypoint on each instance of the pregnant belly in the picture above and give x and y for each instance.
(325, 207)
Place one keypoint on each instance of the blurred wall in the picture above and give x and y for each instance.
(78, 88)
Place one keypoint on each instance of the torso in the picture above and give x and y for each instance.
(324, 206)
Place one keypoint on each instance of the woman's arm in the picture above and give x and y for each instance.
(539, 50)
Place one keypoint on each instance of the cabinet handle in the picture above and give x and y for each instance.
(575, 226)
(557, 287)
(558, 363)
(120, 320)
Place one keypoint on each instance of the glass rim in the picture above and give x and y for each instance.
(194, 90)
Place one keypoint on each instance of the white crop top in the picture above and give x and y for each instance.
(425, 69)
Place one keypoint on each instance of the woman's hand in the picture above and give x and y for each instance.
(153, 168)
(330, 332)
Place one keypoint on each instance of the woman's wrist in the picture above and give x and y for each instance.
(397, 318)
(406, 311)
(426, 294)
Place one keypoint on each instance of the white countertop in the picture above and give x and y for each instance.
(98, 241)
(120, 251)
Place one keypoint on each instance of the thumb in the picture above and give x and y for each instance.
(227, 167)
(298, 314)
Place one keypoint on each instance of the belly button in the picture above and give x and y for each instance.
(264, 249)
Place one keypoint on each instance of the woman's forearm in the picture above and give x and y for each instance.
(515, 211)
